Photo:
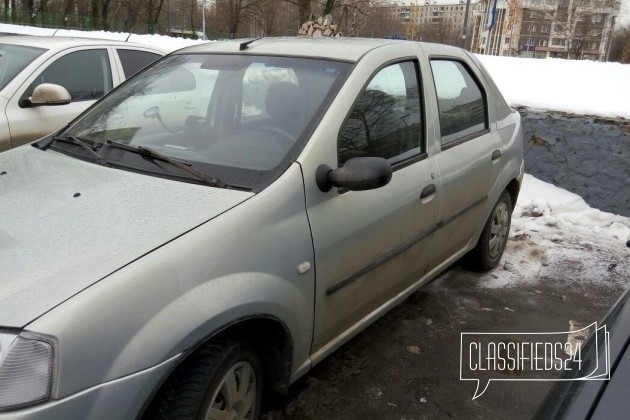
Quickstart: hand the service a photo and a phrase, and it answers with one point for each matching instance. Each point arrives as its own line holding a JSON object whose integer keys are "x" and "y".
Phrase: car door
{"x": 469, "y": 152}
{"x": 85, "y": 73}
{"x": 371, "y": 245}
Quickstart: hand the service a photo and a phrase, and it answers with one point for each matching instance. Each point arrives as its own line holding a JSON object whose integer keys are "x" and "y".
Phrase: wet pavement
{"x": 583, "y": 154}
{"x": 406, "y": 365}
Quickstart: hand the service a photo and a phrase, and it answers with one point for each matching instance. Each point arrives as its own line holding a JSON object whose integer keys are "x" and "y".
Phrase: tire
{"x": 489, "y": 249}
{"x": 211, "y": 384}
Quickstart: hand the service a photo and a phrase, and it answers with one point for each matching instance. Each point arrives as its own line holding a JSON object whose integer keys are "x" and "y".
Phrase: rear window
{"x": 133, "y": 61}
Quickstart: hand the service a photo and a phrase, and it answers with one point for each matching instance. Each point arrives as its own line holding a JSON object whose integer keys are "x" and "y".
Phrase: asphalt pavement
{"x": 406, "y": 365}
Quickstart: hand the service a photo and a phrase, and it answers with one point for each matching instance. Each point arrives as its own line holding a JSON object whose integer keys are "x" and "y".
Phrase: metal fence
{"x": 88, "y": 23}
{"x": 84, "y": 23}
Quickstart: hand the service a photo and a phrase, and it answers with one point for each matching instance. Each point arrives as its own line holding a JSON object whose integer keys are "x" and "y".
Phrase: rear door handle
{"x": 496, "y": 154}
{"x": 428, "y": 191}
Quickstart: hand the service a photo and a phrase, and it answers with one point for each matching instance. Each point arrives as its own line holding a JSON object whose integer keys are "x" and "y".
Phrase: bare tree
{"x": 153, "y": 10}
{"x": 231, "y": 14}
{"x": 68, "y": 11}
{"x": 620, "y": 45}
{"x": 272, "y": 17}
{"x": 513, "y": 18}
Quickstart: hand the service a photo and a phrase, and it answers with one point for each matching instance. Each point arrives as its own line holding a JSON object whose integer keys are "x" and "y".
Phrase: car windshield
{"x": 240, "y": 118}
{"x": 13, "y": 58}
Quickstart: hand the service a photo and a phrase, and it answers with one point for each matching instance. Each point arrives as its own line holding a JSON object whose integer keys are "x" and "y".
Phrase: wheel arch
{"x": 513, "y": 188}
{"x": 271, "y": 340}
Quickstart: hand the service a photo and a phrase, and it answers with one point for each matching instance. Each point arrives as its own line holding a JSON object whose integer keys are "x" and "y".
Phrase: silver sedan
{"x": 236, "y": 212}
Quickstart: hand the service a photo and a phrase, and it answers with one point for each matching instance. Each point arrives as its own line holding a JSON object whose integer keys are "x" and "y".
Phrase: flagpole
{"x": 487, "y": 49}
{"x": 490, "y": 21}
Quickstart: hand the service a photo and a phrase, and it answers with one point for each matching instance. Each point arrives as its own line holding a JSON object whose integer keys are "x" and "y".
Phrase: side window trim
{"x": 115, "y": 64}
{"x": 423, "y": 154}
{"x": 464, "y": 139}
{"x": 482, "y": 88}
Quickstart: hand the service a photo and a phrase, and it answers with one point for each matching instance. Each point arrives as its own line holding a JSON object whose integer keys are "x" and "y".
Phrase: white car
{"x": 86, "y": 68}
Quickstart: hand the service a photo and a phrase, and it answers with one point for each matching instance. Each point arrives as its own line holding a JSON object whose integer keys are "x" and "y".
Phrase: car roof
{"x": 61, "y": 42}
{"x": 341, "y": 49}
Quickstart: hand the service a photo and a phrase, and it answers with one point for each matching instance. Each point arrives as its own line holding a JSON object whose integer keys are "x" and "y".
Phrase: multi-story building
{"x": 575, "y": 29}
{"x": 433, "y": 21}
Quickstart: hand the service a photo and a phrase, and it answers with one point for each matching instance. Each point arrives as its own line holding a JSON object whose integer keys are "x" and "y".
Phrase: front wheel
{"x": 220, "y": 381}
{"x": 489, "y": 250}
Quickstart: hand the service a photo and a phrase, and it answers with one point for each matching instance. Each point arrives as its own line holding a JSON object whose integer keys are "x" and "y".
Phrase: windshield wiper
{"x": 77, "y": 141}
{"x": 152, "y": 154}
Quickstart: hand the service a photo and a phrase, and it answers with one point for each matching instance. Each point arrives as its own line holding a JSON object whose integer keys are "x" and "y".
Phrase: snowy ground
{"x": 548, "y": 223}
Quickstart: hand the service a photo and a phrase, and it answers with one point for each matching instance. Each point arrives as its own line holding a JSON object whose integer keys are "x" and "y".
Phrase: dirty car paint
{"x": 75, "y": 221}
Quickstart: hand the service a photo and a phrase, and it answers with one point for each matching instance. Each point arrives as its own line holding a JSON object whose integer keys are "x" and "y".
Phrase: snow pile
{"x": 552, "y": 205}
{"x": 556, "y": 236}
{"x": 578, "y": 87}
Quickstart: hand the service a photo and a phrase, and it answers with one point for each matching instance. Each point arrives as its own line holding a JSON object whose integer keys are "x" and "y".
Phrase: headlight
{"x": 26, "y": 369}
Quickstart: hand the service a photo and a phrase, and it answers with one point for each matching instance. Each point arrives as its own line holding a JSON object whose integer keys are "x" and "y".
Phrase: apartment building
{"x": 434, "y": 21}
{"x": 574, "y": 29}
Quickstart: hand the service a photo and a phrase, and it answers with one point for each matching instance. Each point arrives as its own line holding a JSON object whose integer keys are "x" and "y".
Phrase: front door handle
{"x": 496, "y": 154}
{"x": 428, "y": 191}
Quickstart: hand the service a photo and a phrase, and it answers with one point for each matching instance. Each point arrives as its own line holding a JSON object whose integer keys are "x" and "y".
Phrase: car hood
{"x": 65, "y": 224}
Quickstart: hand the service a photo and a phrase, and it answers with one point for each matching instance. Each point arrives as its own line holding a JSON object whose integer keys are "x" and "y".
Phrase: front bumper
{"x": 119, "y": 399}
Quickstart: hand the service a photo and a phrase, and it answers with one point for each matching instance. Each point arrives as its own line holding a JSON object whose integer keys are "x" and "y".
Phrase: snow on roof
{"x": 51, "y": 42}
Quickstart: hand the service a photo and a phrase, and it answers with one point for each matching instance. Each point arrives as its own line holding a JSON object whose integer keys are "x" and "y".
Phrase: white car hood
{"x": 65, "y": 224}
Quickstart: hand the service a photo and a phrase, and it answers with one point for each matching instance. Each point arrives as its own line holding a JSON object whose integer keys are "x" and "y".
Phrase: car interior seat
{"x": 283, "y": 104}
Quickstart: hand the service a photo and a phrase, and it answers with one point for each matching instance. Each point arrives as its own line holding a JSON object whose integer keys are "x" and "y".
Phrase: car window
{"x": 461, "y": 103}
{"x": 133, "y": 60}
{"x": 13, "y": 58}
{"x": 85, "y": 74}
{"x": 386, "y": 119}
{"x": 243, "y": 120}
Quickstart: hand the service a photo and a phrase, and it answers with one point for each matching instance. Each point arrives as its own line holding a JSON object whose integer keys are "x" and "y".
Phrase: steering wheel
{"x": 285, "y": 137}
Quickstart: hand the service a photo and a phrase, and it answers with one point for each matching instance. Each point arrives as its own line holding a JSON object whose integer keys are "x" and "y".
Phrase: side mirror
{"x": 49, "y": 94}
{"x": 357, "y": 174}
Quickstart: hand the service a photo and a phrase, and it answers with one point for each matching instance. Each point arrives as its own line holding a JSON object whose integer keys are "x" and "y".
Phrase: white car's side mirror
{"x": 49, "y": 94}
